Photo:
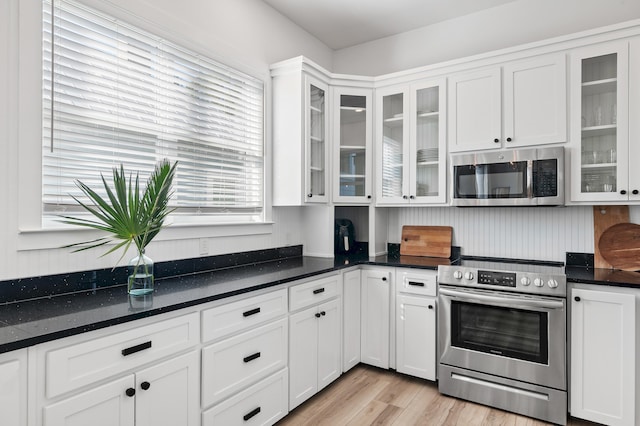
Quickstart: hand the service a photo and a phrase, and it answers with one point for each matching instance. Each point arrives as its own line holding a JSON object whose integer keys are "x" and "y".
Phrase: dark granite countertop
{"x": 29, "y": 322}
{"x": 40, "y": 319}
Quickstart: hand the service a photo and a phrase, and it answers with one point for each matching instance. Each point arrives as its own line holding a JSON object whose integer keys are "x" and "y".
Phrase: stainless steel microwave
{"x": 518, "y": 177}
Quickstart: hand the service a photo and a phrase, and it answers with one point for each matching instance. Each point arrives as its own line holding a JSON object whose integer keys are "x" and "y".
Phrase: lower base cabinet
{"x": 261, "y": 404}
{"x": 13, "y": 388}
{"x": 314, "y": 350}
{"x": 603, "y": 359}
{"x": 416, "y": 336}
{"x": 166, "y": 394}
{"x": 376, "y": 317}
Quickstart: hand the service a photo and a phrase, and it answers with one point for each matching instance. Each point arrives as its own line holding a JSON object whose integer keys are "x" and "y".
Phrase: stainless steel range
{"x": 502, "y": 336}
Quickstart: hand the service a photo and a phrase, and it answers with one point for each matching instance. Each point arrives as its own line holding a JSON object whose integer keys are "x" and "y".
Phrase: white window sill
{"x": 58, "y": 235}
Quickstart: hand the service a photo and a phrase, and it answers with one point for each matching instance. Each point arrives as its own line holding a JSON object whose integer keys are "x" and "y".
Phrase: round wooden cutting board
{"x": 620, "y": 246}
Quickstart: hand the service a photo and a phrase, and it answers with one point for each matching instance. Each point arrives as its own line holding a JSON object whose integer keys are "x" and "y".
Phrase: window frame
{"x": 39, "y": 231}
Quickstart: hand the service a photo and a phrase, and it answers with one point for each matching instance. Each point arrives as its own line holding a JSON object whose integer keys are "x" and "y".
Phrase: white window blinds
{"x": 116, "y": 94}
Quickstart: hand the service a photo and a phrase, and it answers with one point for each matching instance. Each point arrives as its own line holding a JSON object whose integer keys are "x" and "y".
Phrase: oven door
{"x": 521, "y": 337}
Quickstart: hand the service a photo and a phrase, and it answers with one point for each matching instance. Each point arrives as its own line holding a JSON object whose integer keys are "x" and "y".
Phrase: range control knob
{"x": 468, "y": 275}
{"x": 525, "y": 281}
{"x": 538, "y": 282}
{"x": 457, "y": 275}
{"x": 552, "y": 283}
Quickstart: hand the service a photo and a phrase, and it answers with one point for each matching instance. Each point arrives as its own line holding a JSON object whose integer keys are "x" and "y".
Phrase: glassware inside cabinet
{"x": 317, "y": 140}
{"x": 599, "y": 124}
{"x": 392, "y": 145}
{"x": 353, "y": 145}
{"x": 427, "y": 141}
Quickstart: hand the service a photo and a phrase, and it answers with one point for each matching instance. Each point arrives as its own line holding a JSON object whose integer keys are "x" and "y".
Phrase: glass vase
{"x": 140, "y": 270}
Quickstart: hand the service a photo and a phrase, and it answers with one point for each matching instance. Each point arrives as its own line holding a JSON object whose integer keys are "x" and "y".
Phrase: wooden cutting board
{"x": 603, "y": 218}
{"x": 432, "y": 241}
{"x": 620, "y": 246}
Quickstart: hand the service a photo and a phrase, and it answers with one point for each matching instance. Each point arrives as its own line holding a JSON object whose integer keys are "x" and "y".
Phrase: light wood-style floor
{"x": 370, "y": 396}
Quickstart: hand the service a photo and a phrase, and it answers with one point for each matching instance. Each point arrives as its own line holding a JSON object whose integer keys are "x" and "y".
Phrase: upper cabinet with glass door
{"x": 411, "y": 145}
{"x": 300, "y": 133}
{"x": 352, "y": 145}
{"x": 317, "y": 146}
{"x": 600, "y": 151}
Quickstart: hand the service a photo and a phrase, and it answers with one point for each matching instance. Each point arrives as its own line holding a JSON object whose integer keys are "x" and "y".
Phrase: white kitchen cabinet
{"x": 300, "y": 134}
{"x": 411, "y": 144}
{"x": 534, "y": 110}
{"x": 315, "y": 350}
{"x": 376, "y": 317}
{"x": 416, "y": 323}
{"x": 351, "y": 320}
{"x": 602, "y": 154}
{"x": 352, "y": 145}
{"x": 166, "y": 394}
{"x": 13, "y": 387}
{"x": 603, "y": 356}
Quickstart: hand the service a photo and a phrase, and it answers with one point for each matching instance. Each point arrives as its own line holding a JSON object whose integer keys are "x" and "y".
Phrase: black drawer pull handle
{"x": 318, "y": 290}
{"x": 323, "y": 313}
{"x": 577, "y": 298}
{"x": 251, "y": 357}
{"x": 130, "y": 392}
{"x": 251, "y": 414}
{"x": 136, "y": 348}
{"x": 145, "y": 385}
{"x": 318, "y": 315}
{"x": 416, "y": 283}
{"x": 251, "y": 312}
{"x": 430, "y": 306}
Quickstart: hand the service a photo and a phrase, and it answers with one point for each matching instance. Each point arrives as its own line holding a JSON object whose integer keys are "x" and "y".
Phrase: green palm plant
{"x": 126, "y": 213}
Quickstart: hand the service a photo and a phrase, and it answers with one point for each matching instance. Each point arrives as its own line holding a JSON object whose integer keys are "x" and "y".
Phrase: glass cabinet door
{"x": 428, "y": 173}
{"x": 353, "y": 144}
{"x": 602, "y": 173}
{"x": 393, "y": 148}
{"x": 316, "y": 152}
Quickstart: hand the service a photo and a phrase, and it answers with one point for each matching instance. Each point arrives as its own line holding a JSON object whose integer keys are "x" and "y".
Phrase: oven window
{"x": 499, "y": 180}
{"x": 513, "y": 333}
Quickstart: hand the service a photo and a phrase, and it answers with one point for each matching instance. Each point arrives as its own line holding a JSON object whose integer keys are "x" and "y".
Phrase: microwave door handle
{"x": 502, "y": 300}
{"x": 530, "y": 179}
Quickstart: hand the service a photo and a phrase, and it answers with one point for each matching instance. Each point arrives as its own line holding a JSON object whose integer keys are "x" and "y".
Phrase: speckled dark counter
{"x": 606, "y": 277}
{"x": 25, "y": 323}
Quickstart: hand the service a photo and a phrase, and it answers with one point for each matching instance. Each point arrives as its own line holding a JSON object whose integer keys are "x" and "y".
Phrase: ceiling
{"x": 344, "y": 23}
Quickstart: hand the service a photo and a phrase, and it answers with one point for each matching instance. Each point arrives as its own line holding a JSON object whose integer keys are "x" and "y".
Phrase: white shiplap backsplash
{"x": 541, "y": 233}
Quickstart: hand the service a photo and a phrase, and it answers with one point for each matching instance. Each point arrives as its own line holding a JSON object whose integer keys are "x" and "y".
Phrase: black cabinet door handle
{"x": 509, "y": 139}
{"x": 318, "y": 290}
{"x": 323, "y": 313}
{"x": 623, "y": 192}
{"x": 310, "y": 195}
{"x": 416, "y": 283}
{"x": 577, "y": 298}
{"x": 136, "y": 348}
{"x": 251, "y": 357}
{"x": 430, "y": 306}
{"x": 496, "y": 140}
{"x": 130, "y": 392}
{"x": 251, "y": 312}
{"x": 251, "y": 414}
{"x": 634, "y": 192}
{"x": 145, "y": 385}
{"x": 317, "y": 315}
{"x": 384, "y": 278}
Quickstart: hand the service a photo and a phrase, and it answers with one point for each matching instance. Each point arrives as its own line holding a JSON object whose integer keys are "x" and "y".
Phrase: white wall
{"x": 511, "y": 24}
{"x": 246, "y": 34}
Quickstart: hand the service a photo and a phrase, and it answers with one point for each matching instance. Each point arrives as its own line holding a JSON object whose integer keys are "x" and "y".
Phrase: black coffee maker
{"x": 344, "y": 237}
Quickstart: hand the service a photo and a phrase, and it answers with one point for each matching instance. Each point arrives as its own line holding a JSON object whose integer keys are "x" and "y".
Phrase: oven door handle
{"x": 502, "y": 300}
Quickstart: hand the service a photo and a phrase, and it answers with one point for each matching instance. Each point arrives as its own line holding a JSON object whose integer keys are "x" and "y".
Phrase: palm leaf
{"x": 125, "y": 213}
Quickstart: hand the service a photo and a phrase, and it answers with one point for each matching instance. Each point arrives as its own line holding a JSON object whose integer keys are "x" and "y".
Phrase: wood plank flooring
{"x": 371, "y": 396}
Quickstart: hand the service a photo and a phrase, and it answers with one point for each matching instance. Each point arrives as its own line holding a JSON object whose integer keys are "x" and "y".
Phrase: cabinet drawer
{"x": 307, "y": 294}
{"x": 235, "y": 363}
{"x": 262, "y": 403}
{"x": 237, "y": 316}
{"x": 423, "y": 283}
{"x": 81, "y": 364}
